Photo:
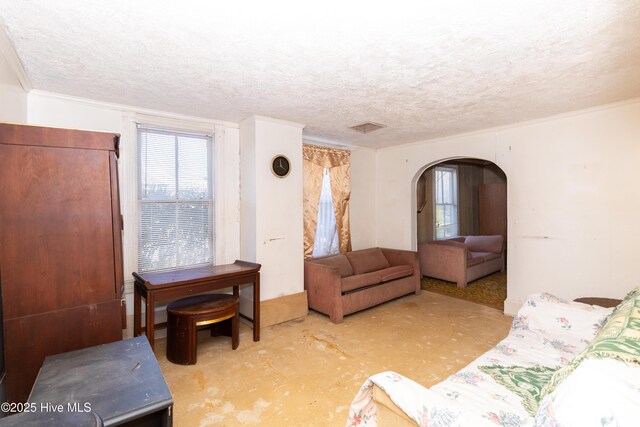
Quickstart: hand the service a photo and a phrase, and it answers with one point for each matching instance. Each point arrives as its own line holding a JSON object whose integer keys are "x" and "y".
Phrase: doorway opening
{"x": 461, "y": 226}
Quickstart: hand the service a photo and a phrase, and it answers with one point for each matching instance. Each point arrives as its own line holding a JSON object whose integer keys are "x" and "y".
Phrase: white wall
{"x": 13, "y": 97}
{"x": 47, "y": 109}
{"x": 362, "y": 205}
{"x": 271, "y": 225}
{"x": 59, "y": 111}
{"x": 573, "y": 199}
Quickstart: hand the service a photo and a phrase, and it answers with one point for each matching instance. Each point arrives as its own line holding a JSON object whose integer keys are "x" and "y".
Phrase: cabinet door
{"x": 57, "y": 239}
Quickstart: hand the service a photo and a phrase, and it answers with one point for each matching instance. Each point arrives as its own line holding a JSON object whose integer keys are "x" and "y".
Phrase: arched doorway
{"x": 463, "y": 197}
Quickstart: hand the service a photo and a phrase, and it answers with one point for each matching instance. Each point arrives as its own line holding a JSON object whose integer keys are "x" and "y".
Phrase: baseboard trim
{"x": 511, "y": 307}
{"x": 277, "y": 310}
{"x": 272, "y": 312}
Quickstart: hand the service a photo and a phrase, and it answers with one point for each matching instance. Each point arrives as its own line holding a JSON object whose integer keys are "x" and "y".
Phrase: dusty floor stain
{"x": 306, "y": 373}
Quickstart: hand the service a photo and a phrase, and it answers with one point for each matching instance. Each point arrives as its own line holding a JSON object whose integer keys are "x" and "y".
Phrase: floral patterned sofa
{"x": 562, "y": 364}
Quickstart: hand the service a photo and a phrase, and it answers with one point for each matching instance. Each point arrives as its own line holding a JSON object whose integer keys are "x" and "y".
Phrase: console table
{"x": 172, "y": 285}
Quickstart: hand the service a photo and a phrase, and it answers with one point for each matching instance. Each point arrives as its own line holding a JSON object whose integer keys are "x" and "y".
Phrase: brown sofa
{"x": 462, "y": 259}
{"x": 342, "y": 284}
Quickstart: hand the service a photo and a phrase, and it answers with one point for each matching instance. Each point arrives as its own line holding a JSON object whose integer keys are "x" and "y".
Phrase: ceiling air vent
{"x": 367, "y": 127}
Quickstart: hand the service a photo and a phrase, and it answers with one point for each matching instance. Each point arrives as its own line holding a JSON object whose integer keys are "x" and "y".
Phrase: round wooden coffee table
{"x": 185, "y": 315}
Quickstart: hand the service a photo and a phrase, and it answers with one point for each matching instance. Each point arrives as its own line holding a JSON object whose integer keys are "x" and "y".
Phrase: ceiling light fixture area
{"x": 367, "y": 127}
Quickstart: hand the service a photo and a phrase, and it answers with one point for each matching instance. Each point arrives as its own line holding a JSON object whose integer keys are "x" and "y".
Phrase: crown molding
{"x": 10, "y": 54}
{"x": 329, "y": 143}
{"x": 496, "y": 129}
{"x": 146, "y": 115}
{"x": 258, "y": 118}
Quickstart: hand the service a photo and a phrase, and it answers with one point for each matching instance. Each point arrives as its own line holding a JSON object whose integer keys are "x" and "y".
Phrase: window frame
{"x": 211, "y": 200}
{"x": 454, "y": 205}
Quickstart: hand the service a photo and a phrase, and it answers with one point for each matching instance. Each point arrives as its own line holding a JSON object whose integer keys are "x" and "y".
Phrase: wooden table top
{"x": 158, "y": 280}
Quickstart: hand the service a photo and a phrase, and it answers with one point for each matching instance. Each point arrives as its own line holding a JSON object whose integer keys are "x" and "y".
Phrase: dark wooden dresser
{"x": 61, "y": 273}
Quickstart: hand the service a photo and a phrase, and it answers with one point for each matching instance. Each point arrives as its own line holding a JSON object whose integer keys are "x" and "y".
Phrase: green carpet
{"x": 490, "y": 290}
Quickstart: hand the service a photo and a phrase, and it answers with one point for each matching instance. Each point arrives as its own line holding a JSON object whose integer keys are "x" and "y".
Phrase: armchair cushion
{"x": 485, "y": 243}
{"x": 367, "y": 260}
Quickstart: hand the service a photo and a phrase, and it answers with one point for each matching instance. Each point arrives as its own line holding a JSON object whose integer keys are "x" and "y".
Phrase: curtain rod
{"x": 334, "y": 147}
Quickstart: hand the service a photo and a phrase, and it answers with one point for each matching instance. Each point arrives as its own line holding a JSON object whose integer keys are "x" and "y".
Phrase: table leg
{"x": 137, "y": 313}
{"x": 150, "y": 314}
{"x": 256, "y": 308}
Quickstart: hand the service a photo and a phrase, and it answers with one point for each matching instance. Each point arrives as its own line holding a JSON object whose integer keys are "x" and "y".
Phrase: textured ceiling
{"x": 423, "y": 69}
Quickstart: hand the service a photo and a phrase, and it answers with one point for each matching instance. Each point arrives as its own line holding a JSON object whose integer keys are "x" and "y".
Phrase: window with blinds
{"x": 175, "y": 200}
{"x": 446, "y": 202}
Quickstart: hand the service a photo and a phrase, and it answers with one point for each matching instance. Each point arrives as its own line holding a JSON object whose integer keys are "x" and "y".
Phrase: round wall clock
{"x": 280, "y": 166}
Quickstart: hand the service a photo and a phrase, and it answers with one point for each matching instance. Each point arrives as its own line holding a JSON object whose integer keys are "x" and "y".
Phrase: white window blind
{"x": 446, "y": 202}
{"x": 175, "y": 200}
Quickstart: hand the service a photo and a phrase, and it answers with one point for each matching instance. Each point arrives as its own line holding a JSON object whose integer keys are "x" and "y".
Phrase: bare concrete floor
{"x": 306, "y": 372}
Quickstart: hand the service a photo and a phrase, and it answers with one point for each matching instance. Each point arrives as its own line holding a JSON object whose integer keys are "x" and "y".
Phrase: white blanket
{"x": 546, "y": 332}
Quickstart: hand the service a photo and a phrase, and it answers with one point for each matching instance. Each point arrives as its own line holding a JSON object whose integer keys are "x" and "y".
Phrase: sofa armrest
{"x": 323, "y": 284}
{"x": 446, "y": 262}
{"x": 406, "y": 402}
{"x": 389, "y": 414}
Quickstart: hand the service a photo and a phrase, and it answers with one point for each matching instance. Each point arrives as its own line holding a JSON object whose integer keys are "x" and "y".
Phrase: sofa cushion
{"x": 358, "y": 281}
{"x": 339, "y": 261}
{"x": 474, "y": 261}
{"x": 395, "y": 272}
{"x": 485, "y": 243}
{"x": 367, "y": 260}
{"x": 484, "y": 256}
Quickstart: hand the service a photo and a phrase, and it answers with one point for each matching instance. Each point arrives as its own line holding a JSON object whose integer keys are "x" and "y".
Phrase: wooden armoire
{"x": 61, "y": 274}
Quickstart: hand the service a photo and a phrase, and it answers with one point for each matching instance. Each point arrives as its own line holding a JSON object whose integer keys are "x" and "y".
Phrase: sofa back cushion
{"x": 485, "y": 243}
{"x": 367, "y": 260}
{"x": 339, "y": 261}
